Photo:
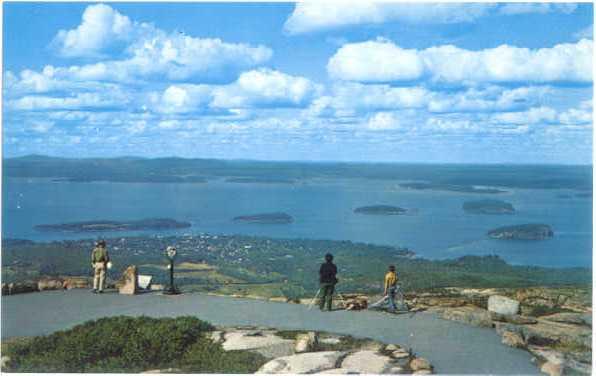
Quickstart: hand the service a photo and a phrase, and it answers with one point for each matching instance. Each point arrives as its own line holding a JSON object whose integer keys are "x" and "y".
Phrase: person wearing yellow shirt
{"x": 391, "y": 287}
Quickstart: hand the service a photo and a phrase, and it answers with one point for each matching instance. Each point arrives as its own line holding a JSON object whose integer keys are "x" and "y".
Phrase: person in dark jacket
{"x": 327, "y": 279}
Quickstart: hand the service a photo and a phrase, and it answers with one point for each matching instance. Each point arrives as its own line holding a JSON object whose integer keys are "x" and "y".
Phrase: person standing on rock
{"x": 99, "y": 261}
{"x": 327, "y": 279}
{"x": 391, "y": 287}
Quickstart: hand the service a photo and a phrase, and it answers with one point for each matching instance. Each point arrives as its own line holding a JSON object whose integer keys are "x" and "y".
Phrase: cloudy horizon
{"x": 369, "y": 82}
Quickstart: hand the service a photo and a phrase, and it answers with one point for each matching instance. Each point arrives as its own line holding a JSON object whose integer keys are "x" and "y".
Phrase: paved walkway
{"x": 450, "y": 346}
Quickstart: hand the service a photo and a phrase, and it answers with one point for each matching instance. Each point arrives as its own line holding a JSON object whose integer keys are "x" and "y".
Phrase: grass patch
{"x": 288, "y": 334}
{"x": 127, "y": 344}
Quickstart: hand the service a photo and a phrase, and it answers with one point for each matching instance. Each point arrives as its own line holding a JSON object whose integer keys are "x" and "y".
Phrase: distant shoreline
{"x": 458, "y": 177}
{"x": 308, "y": 161}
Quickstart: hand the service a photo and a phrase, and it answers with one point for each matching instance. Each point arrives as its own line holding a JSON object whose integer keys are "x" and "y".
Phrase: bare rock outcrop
{"x": 128, "y": 284}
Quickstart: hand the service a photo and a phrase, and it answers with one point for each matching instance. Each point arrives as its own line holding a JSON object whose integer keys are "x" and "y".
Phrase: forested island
{"x": 450, "y": 188}
{"x": 380, "y": 210}
{"x": 488, "y": 207}
{"x": 266, "y": 218}
{"x": 109, "y": 225}
{"x": 531, "y": 231}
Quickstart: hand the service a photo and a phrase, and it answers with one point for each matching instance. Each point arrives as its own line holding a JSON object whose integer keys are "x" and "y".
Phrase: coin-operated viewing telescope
{"x": 171, "y": 254}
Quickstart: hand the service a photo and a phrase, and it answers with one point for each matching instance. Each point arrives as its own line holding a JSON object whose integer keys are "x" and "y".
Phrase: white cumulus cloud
{"x": 382, "y": 61}
{"x": 311, "y": 16}
{"x": 349, "y": 99}
{"x": 266, "y": 87}
{"x": 261, "y": 88}
{"x": 382, "y": 121}
{"x": 314, "y": 16}
{"x": 489, "y": 99}
{"x": 74, "y": 102}
{"x": 578, "y": 116}
{"x": 149, "y": 51}
{"x": 537, "y": 115}
{"x": 101, "y": 26}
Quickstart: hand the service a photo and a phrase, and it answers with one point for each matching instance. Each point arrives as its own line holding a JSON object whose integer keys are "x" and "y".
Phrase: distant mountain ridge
{"x": 182, "y": 170}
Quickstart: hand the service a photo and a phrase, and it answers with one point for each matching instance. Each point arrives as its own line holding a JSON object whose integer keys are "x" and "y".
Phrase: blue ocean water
{"x": 322, "y": 209}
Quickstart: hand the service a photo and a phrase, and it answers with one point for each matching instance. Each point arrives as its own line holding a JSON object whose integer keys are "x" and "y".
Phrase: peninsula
{"x": 380, "y": 210}
{"x": 531, "y": 231}
{"x": 488, "y": 207}
{"x": 266, "y": 218}
{"x": 108, "y": 225}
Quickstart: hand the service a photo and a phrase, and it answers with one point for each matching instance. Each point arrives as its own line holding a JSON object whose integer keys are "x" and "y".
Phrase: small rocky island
{"x": 108, "y": 225}
{"x": 380, "y": 210}
{"x": 531, "y": 231}
{"x": 488, "y": 207}
{"x": 266, "y": 218}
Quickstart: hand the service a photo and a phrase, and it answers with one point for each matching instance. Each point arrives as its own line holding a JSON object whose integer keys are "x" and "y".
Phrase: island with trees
{"x": 266, "y": 218}
{"x": 110, "y": 225}
{"x": 530, "y": 231}
{"x": 380, "y": 210}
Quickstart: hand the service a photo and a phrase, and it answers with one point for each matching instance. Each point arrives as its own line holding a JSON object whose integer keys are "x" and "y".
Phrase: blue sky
{"x": 350, "y": 81}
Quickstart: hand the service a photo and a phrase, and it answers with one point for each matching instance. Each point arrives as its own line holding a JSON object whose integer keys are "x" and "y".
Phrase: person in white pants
{"x": 99, "y": 261}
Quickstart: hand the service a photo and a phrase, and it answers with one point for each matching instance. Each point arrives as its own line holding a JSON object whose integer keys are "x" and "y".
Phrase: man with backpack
{"x": 99, "y": 261}
{"x": 327, "y": 279}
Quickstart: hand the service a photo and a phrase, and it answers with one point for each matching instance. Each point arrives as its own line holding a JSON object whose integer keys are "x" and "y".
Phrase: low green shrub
{"x": 207, "y": 357}
{"x": 127, "y": 344}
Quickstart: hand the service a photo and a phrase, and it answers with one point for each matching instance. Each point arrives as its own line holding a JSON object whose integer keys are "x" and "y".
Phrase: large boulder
{"x": 418, "y": 364}
{"x": 503, "y": 305}
{"x": 128, "y": 284}
{"x": 306, "y": 342}
{"x": 469, "y": 315}
{"x": 252, "y": 339}
{"x": 368, "y": 362}
{"x": 312, "y": 362}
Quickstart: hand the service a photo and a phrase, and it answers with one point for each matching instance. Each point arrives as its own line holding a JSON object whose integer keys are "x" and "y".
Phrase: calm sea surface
{"x": 322, "y": 209}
